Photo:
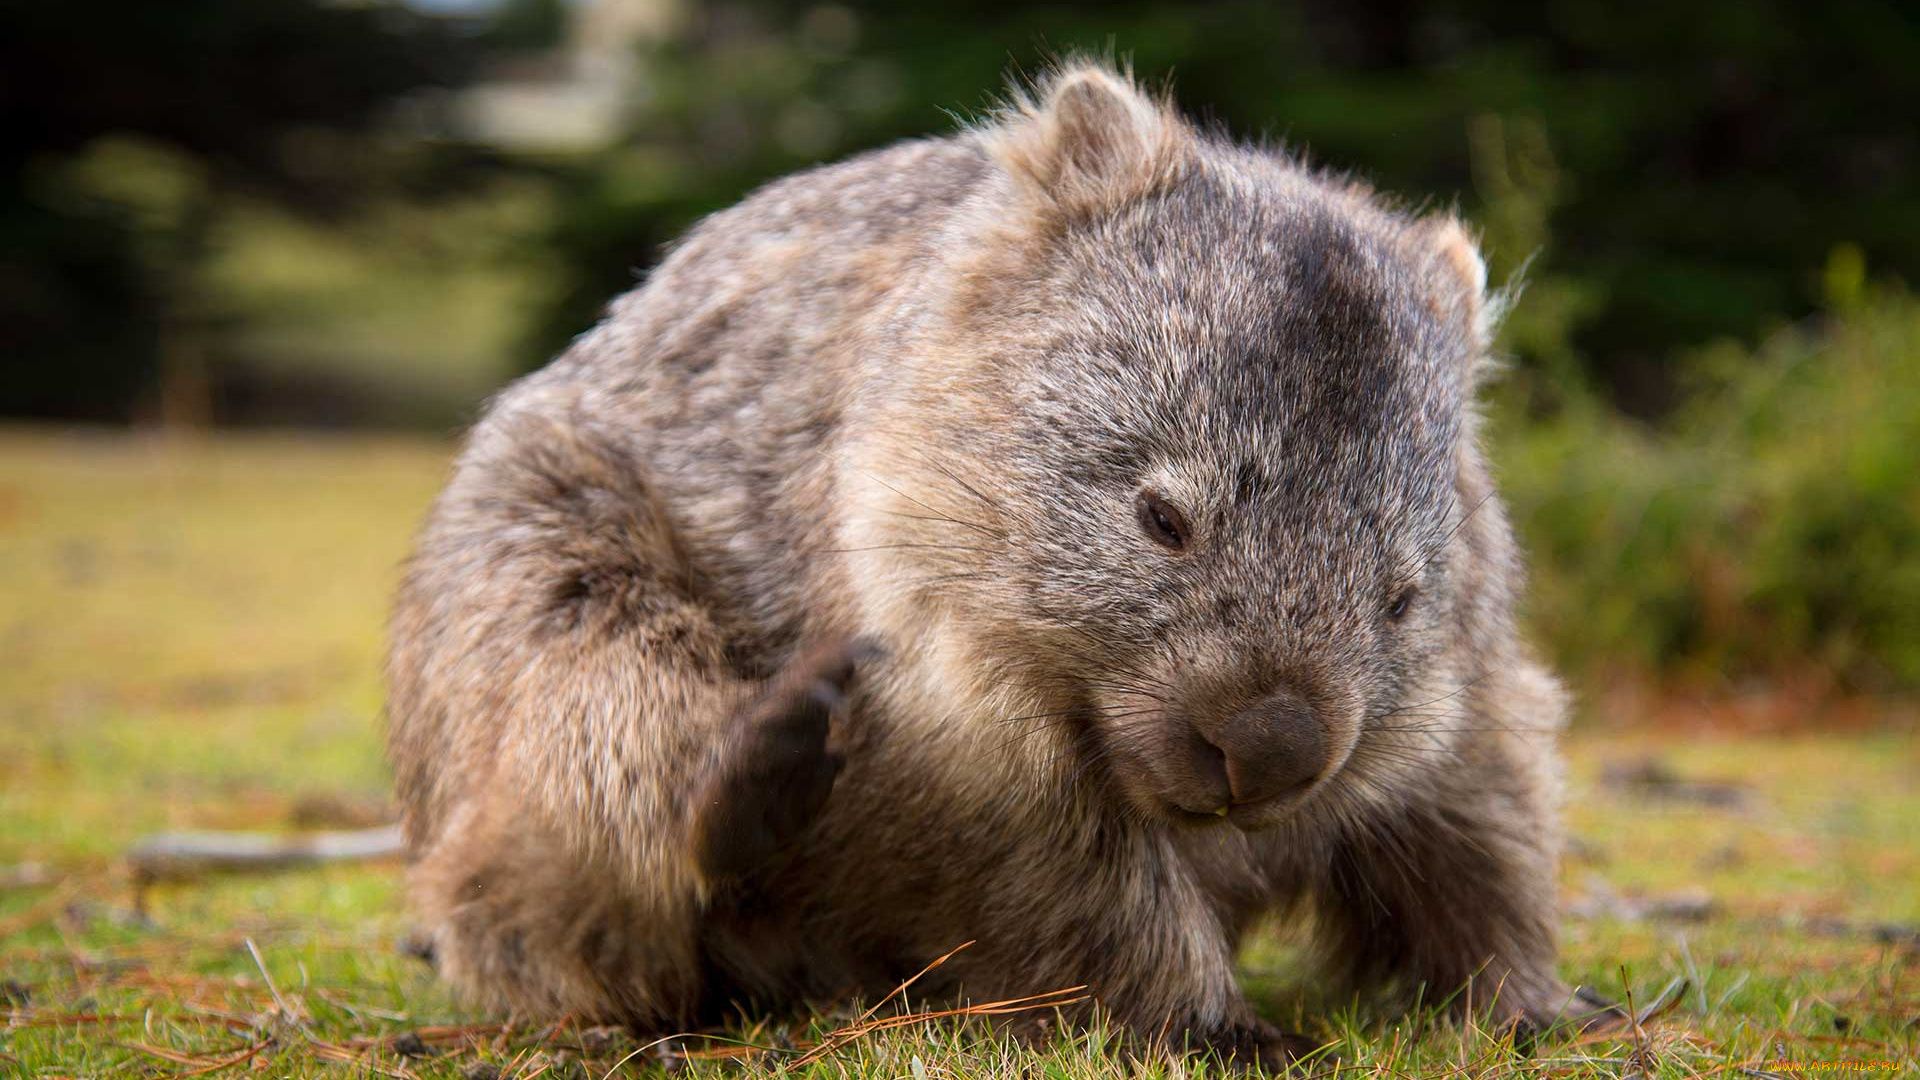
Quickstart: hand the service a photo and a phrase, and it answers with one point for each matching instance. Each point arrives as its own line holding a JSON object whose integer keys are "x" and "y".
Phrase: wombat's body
{"x": 1148, "y": 462}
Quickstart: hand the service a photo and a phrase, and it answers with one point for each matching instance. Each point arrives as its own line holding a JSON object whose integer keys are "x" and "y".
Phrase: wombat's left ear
{"x": 1459, "y": 281}
{"x": 1090, "y": 141}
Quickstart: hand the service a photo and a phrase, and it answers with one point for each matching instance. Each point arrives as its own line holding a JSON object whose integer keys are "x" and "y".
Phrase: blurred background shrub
{"x": 1769, "y": 527}
{"x": 369, "y": 213}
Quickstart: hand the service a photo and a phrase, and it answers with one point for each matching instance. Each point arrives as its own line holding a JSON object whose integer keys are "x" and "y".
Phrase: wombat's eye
{"x": 1397, "y": 606}
{"x": 1162, "y": 521}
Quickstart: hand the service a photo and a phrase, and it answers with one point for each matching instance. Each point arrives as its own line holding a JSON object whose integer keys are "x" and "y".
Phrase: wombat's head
{"x": 1187, "y": 457}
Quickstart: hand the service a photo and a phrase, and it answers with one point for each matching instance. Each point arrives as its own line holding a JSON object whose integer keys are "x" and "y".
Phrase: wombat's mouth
{"x": 1183, "y": 816}
{"x": 1246, "y": 816}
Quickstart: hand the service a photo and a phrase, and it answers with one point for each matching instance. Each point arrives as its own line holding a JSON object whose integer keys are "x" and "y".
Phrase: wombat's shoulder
{"x": 761, "y": 290}
{"x": 872, "y": 196}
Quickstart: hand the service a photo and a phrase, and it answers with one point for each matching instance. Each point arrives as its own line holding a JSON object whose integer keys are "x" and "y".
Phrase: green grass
{"x": 192, "y": 632}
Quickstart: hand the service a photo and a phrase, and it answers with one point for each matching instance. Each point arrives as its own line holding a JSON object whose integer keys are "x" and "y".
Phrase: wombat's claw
{"x": 1589, "y": 1011}
{"x": 1267, "y": 1050}
{"x": 1288, "y": 1054}
{"x": 1576, "y": 1012}
{"x": 776, "y": 769}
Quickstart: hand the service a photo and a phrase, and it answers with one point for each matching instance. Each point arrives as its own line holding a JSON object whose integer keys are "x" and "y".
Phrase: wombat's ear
{"x": 1459, "y": 282}
{"x": 1089, "y": 141}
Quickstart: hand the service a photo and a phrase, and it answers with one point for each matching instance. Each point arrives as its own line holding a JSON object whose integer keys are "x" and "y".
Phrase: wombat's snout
{"x": 1254, "y": 765}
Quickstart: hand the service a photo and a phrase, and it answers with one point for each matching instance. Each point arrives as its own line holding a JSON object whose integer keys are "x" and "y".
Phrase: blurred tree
{"x": 269, "y": 98}
{"x": 78, "y": 318}
{"x": 527, "y": 24}
{"x": 1702, "y": 159}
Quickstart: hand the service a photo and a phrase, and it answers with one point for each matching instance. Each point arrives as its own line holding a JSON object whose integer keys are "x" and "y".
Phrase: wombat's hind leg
{"x": 776, "y": 769}
{"x": 558, "y": 684}
{"x": 582, "y": 758}
{"x": 518, "y": 924}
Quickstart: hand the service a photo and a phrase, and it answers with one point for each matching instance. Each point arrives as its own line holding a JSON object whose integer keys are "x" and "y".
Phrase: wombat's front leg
{"x": 1158, "y": 960}
{"x": 1234, "y": 1036}
{"x": 1455, "y": 891}
{"x": 772, "y": 769}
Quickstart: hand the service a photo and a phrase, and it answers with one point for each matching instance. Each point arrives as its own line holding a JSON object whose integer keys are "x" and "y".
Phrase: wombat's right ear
{"x": 1459, "y": 280}
{"x": 1091, "y": 141}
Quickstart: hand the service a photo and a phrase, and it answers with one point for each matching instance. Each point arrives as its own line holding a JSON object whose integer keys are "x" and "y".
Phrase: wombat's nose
{"x": 1274, "y": 747}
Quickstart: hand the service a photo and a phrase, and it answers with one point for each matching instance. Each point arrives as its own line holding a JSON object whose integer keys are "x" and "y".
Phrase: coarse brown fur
{"x": 933, "y": 399}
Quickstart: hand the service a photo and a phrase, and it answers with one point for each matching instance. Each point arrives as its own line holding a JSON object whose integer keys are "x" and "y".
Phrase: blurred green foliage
{"x": 194, "y": 107}
{"x": 527, "y": 24}
{"x": 1770, "y": 526}
{"x": 1676, "y": 173}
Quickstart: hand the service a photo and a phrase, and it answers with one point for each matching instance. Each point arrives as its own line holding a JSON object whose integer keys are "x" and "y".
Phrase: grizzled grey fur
{"x": 1070, "y": 536}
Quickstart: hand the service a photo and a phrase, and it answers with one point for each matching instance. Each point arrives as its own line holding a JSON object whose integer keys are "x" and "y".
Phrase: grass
{"x": 192, "y": 632}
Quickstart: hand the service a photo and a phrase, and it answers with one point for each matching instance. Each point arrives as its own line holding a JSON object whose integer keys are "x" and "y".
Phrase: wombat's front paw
{"x": 1262, "y": 1048}
{"x": 776, "y": 769}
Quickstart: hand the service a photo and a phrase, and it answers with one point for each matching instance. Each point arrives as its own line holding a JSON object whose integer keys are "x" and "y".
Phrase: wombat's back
{"x": 729, "y": 370}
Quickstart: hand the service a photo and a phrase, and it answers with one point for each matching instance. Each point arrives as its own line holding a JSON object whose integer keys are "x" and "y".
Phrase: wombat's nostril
{"x": 1273, "y": 748}
{"x": 1204, "y": 787}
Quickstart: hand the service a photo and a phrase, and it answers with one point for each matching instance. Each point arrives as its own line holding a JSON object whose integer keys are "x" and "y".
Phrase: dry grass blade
{"x": 1051, "y": 999}
{"x": 438, "y": 1033}
{"x": 178, "y": 1057}
{"x": 847, "y": 1034}
{"x": 725, "y": 1053}
{"x": 902, "y": 988}
{"x": 16, "y": 1020}
{"x": 910, "y": 1019}
{"x": 210, "y": 1014}
{"x": 285, "y": 1011}
{"x": 363, "y": 1059}
{"x": 361, "y": 1009}
{"x": 661, "y": 1041}
{"x": 827, "y": 1045}
{"x": 201, "y": 1064}
{"x": 864, "y": 1026}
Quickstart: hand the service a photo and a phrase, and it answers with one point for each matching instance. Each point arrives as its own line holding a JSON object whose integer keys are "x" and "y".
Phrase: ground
{"x": 192, "y": 631}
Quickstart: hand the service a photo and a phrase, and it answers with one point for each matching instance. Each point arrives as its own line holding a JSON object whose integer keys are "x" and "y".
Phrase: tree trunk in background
{"x": 185, "y": 393}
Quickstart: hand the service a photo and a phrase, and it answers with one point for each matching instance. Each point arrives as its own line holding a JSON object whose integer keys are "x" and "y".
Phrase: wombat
{"x": 1069, "y": 536}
